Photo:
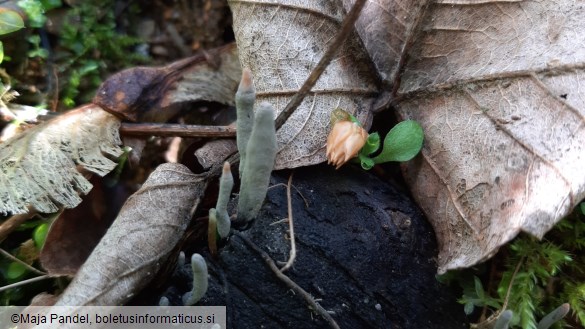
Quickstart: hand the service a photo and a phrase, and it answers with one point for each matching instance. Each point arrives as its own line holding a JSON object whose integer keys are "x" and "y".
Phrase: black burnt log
{"x": 364, "y": 251}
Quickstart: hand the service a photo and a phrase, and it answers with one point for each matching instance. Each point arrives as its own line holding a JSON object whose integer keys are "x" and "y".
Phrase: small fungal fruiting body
{"x": 259, "y": 162}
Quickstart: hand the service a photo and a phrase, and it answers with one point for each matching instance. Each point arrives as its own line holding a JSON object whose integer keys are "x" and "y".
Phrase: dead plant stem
{"x": 291, "y": 227}
{"x": 289, "y": 283}
{"x": 334, "y": 46}
{"x": 24, "y": 282}
{"x": 175, "y": 130}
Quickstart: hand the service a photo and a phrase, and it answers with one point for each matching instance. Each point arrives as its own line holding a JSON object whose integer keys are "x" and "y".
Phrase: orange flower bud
{"x": 344, "y": 142}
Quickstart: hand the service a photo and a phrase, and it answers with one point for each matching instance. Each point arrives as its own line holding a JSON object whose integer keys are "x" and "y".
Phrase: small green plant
{"x": 531, "y": 278}
{"x": 10, "y": 21}
{"x": 402, "y": 143}
{"x": 90, "y": 46}
{"x": 87, "y": 47}
{"x": 475, "y": 296}
{"x": 35, "y": 10}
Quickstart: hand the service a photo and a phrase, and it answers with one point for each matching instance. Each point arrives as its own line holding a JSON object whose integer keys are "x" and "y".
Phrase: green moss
{"x": 550, "y": 272}
{"x": 90, "y": 48}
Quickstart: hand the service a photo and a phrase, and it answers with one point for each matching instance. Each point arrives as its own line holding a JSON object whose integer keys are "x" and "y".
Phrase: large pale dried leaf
{"x": 496, "y": 87}
{"x": 495, "y": 84}
{"x": 40, "y": 166}
{"x": 386, "y": 28}
{"x": 139, "y": 241}
{"x": 281, "y": 43}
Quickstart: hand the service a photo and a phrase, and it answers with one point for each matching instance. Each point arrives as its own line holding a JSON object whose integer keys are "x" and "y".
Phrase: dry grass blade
{"x": 291, "y": 228}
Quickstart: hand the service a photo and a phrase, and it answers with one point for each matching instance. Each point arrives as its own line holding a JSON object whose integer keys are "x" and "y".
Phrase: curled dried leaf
{"x": 139, "y": 241}
{"x": 40, "y": 167}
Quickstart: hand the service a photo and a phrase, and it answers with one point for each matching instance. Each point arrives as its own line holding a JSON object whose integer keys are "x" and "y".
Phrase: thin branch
{"x": 13, "y": 223}
{"x": 296, "y": 189}
{"x": 14, "y": 259}
{"x": 342, "y": 34}
{"x": 507, "y": 298}
{"x": 346, "y": 27}
{"x": 494, "y": 317}
{"x": 25, "y": 282}
{"x": 175, "y": 130}
{"x": 291, "y": 228}
{"x": 290, "y": 283}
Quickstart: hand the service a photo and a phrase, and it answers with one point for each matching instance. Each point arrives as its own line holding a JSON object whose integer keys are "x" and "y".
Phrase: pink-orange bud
{"x": 344, "y": 142}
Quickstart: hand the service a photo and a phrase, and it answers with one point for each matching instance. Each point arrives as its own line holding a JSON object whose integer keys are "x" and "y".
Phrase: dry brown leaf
{"x": 293, "y": 39}
{"x": 40, "y": 166}
{"x": 75, "y": 232}
{"x": 496, "y": 89}
{"x": 386, "y": 28}
{"x": 495, "y": 85}
{"x": 137, "y": 244}
{"x": 153, "y": 94}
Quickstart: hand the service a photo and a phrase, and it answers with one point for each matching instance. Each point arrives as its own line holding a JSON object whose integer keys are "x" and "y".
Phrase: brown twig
{"x": 12, "y": 223}
{"x": 346, "y": 27}
{"x": 290, "y": 283}
{"x": 506, "y": 299}
{"x": 342, "y": 34}
{"x": 296, "y": 189}
{"x": 175, "y": 130}
{"x": 494, "y": 317}
{"x": 291, "y": 227}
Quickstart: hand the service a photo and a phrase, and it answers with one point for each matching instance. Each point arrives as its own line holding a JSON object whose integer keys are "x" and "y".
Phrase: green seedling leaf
{"x": 10, "y": 21}
{"x": 40, "y": 235}
{"x": 372, "y": 144}
{"x": 582, "y": 207}
{"x": 15, "y": 271}
{"x": 402, "y": 143}
{"x": 1, "y": 52}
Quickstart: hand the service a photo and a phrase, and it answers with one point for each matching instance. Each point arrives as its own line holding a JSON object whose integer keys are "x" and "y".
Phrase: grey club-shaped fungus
{"x": 245, "y": 98}
{"x": 258, "y": 163}
{"x": 226, "y": 183}
{"x": 200, "y": 281}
